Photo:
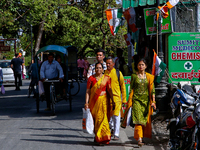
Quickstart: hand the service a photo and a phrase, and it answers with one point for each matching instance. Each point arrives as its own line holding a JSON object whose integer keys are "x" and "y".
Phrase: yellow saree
{"x": 99, "y": 106}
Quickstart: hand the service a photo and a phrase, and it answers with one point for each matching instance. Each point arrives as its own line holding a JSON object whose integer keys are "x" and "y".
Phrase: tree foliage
{"x": 80, "y": 23}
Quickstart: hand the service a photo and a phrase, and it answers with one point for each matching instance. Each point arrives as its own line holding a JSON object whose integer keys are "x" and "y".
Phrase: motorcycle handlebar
{"x": 189, "y": 93}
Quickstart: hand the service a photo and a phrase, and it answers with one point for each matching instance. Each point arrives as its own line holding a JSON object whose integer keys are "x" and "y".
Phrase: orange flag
{"x": 129, "y": 15}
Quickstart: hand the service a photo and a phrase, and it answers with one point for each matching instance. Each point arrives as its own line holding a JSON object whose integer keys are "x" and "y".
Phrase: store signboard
{"x": 4, "y": 48}
{"x": 127, "y": 81}
{"x": 184, "y": 57}
{"x": 151, "y": 23}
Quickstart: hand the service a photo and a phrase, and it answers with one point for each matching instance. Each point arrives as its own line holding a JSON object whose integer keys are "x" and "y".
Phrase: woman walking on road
{"x": 98, "y": 100}
{"x": 141, "y": 99}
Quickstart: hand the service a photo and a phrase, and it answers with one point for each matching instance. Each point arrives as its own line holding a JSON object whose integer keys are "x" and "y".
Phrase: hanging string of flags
{"x": 164, "y": 9}
{"x": 127, "y": 38}
{"x": 114, "y": 17}
{"x": 129, "y": 15}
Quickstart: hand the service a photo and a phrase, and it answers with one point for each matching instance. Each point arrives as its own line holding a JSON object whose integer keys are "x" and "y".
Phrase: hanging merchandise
{"x": 114, "y": 17}
{"x": 128, "y": 39}
{"x": 130, "y": 14}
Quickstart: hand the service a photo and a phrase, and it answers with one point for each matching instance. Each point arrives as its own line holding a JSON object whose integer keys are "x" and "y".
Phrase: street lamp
{"x": 20, "y": 32}
{"x": 31, "y": 45}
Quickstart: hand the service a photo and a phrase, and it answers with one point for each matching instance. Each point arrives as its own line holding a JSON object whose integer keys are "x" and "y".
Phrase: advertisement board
{"x": 127, "y": 81}
{"x": 151, "y": 23}
{"x": 184, "y": 57}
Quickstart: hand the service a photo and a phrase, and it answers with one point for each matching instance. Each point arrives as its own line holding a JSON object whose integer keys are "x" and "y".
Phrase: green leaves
{"x": 77, "y": 24}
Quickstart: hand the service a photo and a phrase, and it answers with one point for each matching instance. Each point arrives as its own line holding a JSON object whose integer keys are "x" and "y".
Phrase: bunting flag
{"x": 172, "y": 3}
{"x": 128, "y": 39}
{"x": 129, "y": 15}
{"x": 158, "y": 68}
{"x": 114, "y": 17}
{"x": 164, "y": 11}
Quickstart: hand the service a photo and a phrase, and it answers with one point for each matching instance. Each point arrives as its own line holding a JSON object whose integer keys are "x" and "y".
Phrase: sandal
{"x": 140, "y": 143}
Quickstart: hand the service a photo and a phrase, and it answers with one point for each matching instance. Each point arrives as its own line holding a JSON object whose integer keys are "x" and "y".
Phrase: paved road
{"x": 22, "y": 128}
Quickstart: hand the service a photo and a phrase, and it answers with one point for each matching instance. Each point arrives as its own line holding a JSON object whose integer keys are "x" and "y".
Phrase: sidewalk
{"x": 159, "y": 139}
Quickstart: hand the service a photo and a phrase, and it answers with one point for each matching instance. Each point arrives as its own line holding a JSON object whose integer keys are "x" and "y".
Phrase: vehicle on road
{"x": 184, "y": 126}
{"x": 71, "y": 85}
{"x": 8, "y": 74}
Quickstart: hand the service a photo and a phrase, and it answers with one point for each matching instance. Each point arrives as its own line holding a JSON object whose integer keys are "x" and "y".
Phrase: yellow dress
{"x": 116, "y": 90}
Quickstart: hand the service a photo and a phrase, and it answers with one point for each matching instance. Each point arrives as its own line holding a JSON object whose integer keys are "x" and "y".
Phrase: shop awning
{"x": 135, "y": 3}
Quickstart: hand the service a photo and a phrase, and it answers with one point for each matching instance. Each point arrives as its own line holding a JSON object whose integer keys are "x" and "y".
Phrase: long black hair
{"x": 137, "y": 62}
{"x": 97, "y": 64}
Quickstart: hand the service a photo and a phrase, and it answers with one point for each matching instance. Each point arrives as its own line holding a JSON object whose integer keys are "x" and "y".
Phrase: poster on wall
{"x": 151, "y": 23}
{"x": 184, "y": 57}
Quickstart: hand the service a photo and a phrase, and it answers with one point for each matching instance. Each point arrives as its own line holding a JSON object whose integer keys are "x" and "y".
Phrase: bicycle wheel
{"x": 74, "y": 87}
{"x": 37, "y": 103}
{"x": 29, "y": 91}
{"x": 52, "y": 99}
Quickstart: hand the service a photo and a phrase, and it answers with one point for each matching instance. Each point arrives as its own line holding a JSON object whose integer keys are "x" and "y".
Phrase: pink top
{"x": 81, "y": 63}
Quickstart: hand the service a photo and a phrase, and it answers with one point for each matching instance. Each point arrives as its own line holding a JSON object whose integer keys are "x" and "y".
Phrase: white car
{"x": 8, "y": 75}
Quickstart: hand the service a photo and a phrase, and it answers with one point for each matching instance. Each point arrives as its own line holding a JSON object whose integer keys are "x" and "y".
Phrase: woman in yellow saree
{"x": 142, "y": 101}
{"x": 97, "y": 97}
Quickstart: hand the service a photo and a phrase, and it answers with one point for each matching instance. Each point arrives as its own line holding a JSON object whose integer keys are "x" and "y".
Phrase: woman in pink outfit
{"x": 86, "y": 67}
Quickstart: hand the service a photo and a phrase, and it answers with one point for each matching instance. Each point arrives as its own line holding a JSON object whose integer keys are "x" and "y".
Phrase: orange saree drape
{"x": 99, "y": 106}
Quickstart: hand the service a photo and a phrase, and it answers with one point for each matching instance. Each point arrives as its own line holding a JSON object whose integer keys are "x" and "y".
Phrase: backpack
{"x": 118, "y": 76}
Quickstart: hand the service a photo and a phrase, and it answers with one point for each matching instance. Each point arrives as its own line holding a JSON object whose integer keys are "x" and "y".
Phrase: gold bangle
{"x": 86, "y": 104}
{"x": 154, "y": 102}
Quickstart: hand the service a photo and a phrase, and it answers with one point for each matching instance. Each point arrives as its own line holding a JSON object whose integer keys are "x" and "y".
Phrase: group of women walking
{"x": 99, "y": 99}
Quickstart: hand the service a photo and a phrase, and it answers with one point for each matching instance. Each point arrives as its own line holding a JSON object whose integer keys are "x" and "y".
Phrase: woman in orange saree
{"x": 98, "y": 89}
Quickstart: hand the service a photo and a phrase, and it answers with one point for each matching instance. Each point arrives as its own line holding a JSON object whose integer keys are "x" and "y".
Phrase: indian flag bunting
{"x": 172, "y": 3}
{"x": 158, "y": 68}
{"x": 164, "y": 11}
{"x": 114, "y": 17}
{"x": 129, "y": 15}
{"x": 127, "y": 38}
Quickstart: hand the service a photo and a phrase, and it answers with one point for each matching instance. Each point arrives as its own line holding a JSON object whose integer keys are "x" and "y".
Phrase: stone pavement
{"x": 159, "y": 139}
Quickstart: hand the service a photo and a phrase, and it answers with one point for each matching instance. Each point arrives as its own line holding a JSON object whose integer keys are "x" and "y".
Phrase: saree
{"x": 145, "y": 129}
{"x": 99, "y": 106}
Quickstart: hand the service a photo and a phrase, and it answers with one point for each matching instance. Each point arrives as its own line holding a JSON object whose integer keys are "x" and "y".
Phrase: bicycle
{"x": 53, "y": 98}
{"x": 74, "y": 86}
{"x": 29, "y": 91}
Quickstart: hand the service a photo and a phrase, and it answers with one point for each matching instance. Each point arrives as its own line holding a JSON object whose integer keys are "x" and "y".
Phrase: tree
{"x": 64, "y": 22}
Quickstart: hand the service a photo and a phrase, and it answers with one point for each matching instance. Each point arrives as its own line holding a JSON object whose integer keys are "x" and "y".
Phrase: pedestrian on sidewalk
{"x": 118, "y": 88}
{"x": 98, "y": 89}
{"x": 142, "y": 101}
{"x": 81, "y": 66}
{"x": 86, "y": 67}
{"x": 100, "y": 55}
{"x": 34, "y": 73}
{"x": 1, "y": 77}
{"x": 17, "y": 66}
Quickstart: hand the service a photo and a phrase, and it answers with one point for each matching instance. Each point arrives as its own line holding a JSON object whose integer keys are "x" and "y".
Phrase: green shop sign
{"x": 127, "y": 81}
{"x": 151, "y": 23}
{"x": 183, "y": 57}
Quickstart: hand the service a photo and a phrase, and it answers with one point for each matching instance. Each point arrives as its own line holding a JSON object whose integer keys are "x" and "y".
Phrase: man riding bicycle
{"x": 51, "y": 70}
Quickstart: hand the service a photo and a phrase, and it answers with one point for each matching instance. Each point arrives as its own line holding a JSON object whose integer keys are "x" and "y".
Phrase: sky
{"x": 119, "y": 2}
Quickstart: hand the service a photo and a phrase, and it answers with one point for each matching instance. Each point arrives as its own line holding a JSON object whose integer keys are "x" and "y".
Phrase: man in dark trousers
{"x": 16, "y": 65}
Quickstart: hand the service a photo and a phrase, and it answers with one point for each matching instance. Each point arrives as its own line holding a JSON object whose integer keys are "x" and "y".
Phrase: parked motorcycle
{"x": 184, "y": 127}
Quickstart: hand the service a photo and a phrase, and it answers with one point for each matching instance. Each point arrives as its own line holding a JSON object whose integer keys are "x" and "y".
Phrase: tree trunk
{"x": 39, "y": 36}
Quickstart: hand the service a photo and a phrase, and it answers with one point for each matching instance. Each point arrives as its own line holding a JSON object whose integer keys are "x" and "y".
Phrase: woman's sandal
{"x": 140, "y": 143}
